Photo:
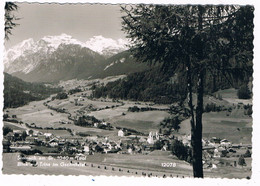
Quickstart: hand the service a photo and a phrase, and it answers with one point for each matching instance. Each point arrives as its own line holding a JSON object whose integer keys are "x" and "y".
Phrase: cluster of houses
{"x": 216, "y": 148}
{"x": 20, "y": 141}
{"x": 124, "y": 144}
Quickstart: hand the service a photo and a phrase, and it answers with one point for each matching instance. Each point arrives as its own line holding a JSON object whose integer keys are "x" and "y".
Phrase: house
{"x": 31, "y": 140}
{"x": 130, "y": 150}
{"x": 153, "y": 137}
{"x": 165, "y": 148}
{"x": 54, "y": 142}
{"x": 204, "y": 142}
{"x": 32, "y": 125}
{"x": 97, "y": 148}
{"x": 18, "y": 132}
{"x": 95, "y": 124}
{"x": 86, "y": 149}
{"x": 62, "y": 142}
{"x": 48, "y": 135}
{"x": 121, "y": 133}
{"x": 225, "y": 143}
{"x": 216, "y": 154}
{"x": 142, "y": 140}
{"x": 215, "y": 140}
{"x": 31, "y": 132}
{"x": 214, "y": 166}
{"x": 219, "y": 152}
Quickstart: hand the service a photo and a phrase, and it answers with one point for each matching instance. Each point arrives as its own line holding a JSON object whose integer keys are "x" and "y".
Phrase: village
{"x": 82, "y": 127}
{"x": 217, "y": 152}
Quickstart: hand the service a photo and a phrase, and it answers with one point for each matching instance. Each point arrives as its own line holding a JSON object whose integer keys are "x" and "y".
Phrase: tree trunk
{"x": 195, "y": 133}
{"x": 197, "y": 138}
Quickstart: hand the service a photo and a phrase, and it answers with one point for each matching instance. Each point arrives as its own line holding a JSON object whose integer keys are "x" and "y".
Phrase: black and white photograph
{"x": 134, "y": 90}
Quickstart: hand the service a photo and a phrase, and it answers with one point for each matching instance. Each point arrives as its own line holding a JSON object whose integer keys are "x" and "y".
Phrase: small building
{"x": 130, "y": 150}
{"x": 153, "y": 137}
{"x": 18, "y": 132}
{"x": 225, "y": 143}
{"x": 31, "y": 139}
{"x": 121, "y": 133}
{"x": 95, "y": 124}
{"x": 54, "y": 142}
{"x": 86, "y": 149}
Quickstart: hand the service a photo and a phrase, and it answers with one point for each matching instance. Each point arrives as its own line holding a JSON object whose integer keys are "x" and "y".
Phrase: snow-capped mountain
{"x": 48, "y": 44}
{"x": 106, "y": 46}
{"x": 29, "y": 55}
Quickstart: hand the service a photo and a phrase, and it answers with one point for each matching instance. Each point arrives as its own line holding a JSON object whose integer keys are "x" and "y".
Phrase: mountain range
{"x": 55, "y": 58}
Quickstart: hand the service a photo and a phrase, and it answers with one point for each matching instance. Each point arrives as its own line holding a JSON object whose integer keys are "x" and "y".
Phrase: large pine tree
{"x": 199, "y": 39}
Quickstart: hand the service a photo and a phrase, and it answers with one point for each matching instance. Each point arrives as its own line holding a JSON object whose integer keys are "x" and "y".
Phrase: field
{"x": 130, "y": 168}
{"x": 234, "y": 126}
{"x": 109, "y": 164}
{"x": 230, "y": 95}
{"x": 13, "y": 126}
{"x": 218, "y": 124}
{"x": 37, "y": 113}
{"x": 141, "y": 121}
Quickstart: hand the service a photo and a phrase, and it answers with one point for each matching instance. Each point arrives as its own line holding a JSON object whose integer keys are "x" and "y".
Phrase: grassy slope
{"x": 234, "y": 126}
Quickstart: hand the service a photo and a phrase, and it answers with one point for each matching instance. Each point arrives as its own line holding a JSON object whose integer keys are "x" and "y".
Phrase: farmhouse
{"x": 86, "y": 149}
{"x": 48, "y": 135}
{"x": 54, "y": 142}
{"x": 121, "y": 133}
{"x": 31, "y": 140}
{"x": 17, "y": 132}
{"x": 225, "y": 143}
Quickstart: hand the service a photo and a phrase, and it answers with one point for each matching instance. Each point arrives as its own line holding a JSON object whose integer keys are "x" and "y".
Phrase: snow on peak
{"x": 29, "y": 54}
{"x": 18, "y": 50}
{"x": 100, "y": 44}
{"x": 48, "y": 44}
{"x": 55, "y": 41}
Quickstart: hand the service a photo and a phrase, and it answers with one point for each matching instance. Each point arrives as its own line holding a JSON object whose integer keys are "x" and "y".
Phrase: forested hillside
{"x": 18, "y": 92}
{"x": 161, "y": 87}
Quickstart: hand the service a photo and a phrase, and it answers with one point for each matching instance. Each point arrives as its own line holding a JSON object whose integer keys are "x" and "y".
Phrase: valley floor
{"x": 234, "y": 126}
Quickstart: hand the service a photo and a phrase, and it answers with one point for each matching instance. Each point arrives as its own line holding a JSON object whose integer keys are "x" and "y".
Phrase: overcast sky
{"x": 81, "y": 21}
